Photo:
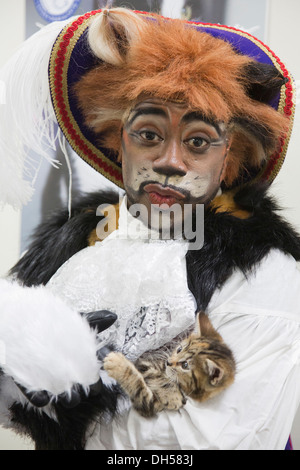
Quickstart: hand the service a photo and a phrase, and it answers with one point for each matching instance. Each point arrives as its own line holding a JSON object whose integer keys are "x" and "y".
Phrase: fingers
{"x": 96, "y": 388}
{"x": 102, "y": 353}
{"x": 101, "y": 319}
{"x": 77, "y": 395}
{"x": 69, "y": 400}
{"x": 38, "y": 399}
{"x": 66, "y": 399}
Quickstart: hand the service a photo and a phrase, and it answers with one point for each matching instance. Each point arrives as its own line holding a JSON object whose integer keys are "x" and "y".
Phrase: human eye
{"x": 149, "y": 136}
{"x": 198, "y": 144}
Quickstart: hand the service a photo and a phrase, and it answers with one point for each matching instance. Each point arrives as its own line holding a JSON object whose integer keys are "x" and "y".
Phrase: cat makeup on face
{"x": 170, "y": 147}
{"x": 193, "y": 185}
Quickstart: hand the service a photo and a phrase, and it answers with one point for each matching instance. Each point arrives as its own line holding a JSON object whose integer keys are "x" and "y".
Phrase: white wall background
{"x": 281, "y": 32}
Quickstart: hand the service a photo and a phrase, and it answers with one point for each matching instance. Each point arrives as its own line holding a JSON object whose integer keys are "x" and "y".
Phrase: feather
{"x": 28, "y": 127}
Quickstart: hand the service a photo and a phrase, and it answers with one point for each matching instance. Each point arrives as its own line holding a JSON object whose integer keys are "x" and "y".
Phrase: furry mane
{"x": 173, "y": 61}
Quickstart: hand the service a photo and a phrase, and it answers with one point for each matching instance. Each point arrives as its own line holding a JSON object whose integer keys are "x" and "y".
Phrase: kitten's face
{"x": 201, "y": 366}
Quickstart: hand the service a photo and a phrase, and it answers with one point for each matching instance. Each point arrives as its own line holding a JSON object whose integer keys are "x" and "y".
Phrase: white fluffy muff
{"x": 45, "y": 345}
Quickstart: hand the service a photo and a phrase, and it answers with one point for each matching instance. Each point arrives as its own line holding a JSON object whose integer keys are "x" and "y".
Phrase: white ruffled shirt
{"x": 258, "y": 317}
{"x": 142, "y": 280}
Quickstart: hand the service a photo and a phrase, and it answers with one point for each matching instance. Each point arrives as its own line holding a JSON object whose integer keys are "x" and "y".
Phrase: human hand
{"x": 100, "y": 321}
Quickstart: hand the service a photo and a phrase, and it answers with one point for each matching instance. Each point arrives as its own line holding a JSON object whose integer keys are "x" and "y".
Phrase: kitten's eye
{"x": 185, "y": 365}
{"x": 179, "y": 349}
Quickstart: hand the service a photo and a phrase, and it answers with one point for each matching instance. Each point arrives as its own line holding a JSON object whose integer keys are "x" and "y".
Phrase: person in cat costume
{"x": 172, "y": 112}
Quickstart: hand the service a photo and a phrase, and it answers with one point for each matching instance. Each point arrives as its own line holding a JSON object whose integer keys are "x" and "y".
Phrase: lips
{"x": 163, "y": 195}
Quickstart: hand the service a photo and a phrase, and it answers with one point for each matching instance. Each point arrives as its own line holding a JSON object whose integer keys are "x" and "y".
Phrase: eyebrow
{"x": 147, "y": 111}
{"x": 187, "y": 118}
{"x": 198, "y": 116}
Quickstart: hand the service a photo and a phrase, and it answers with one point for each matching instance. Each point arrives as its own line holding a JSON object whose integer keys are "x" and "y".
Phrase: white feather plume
{"x": 28, "y": 127}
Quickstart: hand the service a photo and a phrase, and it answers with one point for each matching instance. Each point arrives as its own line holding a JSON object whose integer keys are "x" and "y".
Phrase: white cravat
{"x": 143, "y": 281}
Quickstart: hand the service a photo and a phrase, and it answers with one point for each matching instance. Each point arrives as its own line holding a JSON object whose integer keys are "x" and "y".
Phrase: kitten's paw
{"x": 175, "y": 403}
{"x": 114, "y": 364}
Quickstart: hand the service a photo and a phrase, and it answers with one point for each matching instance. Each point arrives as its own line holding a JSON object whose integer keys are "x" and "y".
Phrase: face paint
{"x": 171, "y": 155}
{"x": 193, "y": 186}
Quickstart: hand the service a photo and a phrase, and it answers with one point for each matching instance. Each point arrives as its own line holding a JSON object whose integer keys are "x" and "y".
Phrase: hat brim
{"x": 71, "y": 58}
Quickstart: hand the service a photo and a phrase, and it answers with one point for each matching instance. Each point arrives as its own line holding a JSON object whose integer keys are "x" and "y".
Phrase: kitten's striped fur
{"x": 200, "y": 366}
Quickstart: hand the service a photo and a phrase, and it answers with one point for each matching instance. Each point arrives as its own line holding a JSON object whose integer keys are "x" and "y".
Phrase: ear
{"x": 111, "y": 33}
{"x": 215, "y": 372}
{"x": 264, "y": 81}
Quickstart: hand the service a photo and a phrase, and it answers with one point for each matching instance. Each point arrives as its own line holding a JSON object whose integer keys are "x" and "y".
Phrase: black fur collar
{"x": 232, "y": 243}
{"x": 229, "y": 241}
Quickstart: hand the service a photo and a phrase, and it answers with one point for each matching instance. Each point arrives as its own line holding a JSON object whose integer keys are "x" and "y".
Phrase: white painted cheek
{"x": 138, "y": 175}
{"x": 200, "y": 187}
{"x": 134, "y": 180}
{"x": 131, "y": 177}
{"x": 197, "y": 185}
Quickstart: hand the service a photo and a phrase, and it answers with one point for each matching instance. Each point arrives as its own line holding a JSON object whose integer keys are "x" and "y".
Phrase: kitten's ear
{"x": 204, "y": 327}
{"x": 215, "y": 372}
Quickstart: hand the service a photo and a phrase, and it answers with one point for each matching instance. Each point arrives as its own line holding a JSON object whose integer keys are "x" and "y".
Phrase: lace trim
{"x": 145, "y": 284}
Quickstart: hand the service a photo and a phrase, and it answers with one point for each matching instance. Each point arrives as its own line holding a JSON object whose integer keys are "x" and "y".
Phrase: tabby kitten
{"x": 200, "y": 366}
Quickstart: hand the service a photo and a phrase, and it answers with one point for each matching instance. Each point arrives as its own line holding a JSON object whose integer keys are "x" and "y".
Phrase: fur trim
{"x": 68, "y": 430}
{"x": 231, "y": 239}
{"x": 54, "y": 349}
{"x": 226, "y": 203}
{"x": 45, "y": 254}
